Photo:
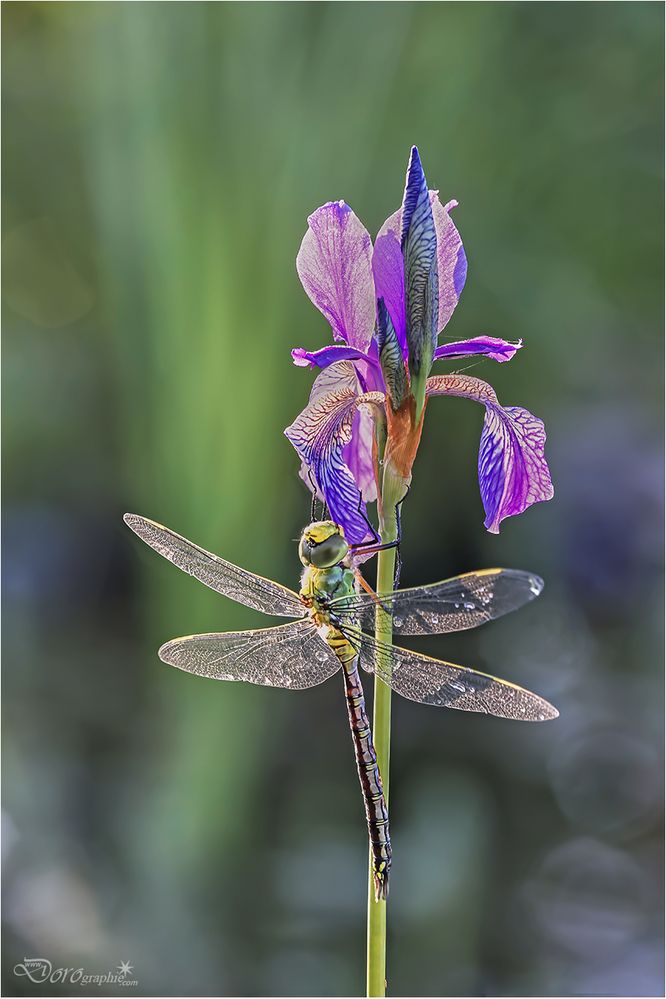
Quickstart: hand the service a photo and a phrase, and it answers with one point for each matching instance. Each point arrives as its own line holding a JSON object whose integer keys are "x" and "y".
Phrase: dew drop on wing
{"x": 469, "y": 606}
{"x": 460, "y": 687}
{"x": 398, "y": 621}
{"x": 536, "y": 585}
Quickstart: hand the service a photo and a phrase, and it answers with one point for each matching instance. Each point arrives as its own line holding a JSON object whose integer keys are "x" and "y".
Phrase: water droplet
{"x": 536, "y": 585}
{"x": 398, "y": 621}
{"x": 469, "y": 606}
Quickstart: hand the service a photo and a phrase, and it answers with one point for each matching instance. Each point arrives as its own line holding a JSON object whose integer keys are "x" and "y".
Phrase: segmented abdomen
{"x": 366, "y": 763}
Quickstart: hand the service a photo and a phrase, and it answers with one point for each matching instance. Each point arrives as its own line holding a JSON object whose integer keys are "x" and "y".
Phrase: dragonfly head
{"x": 322, "y": 545}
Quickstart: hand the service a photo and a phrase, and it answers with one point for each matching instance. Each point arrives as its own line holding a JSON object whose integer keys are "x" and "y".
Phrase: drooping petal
{"x": 340, "y": 375}
{"x": 320, "y": 435}
{"x": 334, "y": 264}
{"x": 358, "y": 454}
{"x": 451, "y": 261}
{"x": 492, "y": 347}
{"x": 389, "y": 272}
{"x": 418, "y": 242}
{"x": 513, "y": 473}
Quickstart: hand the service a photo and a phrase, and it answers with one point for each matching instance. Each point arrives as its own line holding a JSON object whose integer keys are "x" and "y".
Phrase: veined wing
{"x": 292, "y": 655}
{"x": 453, "y": 605}
{"x": 432, "y": 681}
{"x": 211, "y": 570}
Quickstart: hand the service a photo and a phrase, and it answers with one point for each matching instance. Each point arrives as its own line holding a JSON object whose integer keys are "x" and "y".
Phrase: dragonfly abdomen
{"x": 366, "y": 763}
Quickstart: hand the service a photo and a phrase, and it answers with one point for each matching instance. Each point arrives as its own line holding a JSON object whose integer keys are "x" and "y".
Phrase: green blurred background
{"x": 160, "y": 160}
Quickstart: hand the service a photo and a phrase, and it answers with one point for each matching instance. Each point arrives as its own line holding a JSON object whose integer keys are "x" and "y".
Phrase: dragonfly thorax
{"x": 322, "y": 545}
{"x": 320, "y": 586}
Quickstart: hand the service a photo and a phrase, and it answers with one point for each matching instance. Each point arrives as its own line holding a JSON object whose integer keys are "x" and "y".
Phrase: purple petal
{"x": 451, "y": 260}
{"x": 320, "y": 435}
{"x": 334, "y": 264}
{"x": 358, "y": 454}
{"x": 389, "y": 273}
{"x": 492, "y": 347}
{"x": 327, "y": 355}
{"x": 366, "y": 366}
{"x": 513, "y": 473}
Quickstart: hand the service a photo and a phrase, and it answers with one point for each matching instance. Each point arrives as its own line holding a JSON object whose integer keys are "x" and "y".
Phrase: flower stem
{"x": 381, "y": 724}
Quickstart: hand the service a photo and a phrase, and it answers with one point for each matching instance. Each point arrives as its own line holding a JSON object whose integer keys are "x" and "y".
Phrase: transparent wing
{"x": 292, "y": 655}
{"x": 452, "y": 605}
{"x": 432, "y": 681}
{"x": 211, "y": 570}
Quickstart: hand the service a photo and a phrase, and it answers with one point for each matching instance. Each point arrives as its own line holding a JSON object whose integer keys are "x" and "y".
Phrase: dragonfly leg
{"x": 365, "y": 585}
{"x": 313, "y": 505}
{"x": 398, "y": 559}
{"x": 369, "y": 547}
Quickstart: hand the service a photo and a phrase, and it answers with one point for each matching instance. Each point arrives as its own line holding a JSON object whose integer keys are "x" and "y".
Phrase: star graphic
{"x": 125, "y": 968}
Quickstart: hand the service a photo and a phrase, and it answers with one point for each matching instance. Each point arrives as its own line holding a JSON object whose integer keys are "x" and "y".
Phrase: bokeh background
{"x": 160, "y": 160}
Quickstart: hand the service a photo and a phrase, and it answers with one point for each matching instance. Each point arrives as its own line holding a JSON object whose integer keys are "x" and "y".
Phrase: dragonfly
{"x": 328, "y": 633}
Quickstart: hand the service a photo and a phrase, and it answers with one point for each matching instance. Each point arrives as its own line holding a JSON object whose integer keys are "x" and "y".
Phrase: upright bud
{"x": 418, "y": 241}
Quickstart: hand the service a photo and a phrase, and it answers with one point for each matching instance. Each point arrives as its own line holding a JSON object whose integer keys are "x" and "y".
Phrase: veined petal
{"x": 334, "y": 264}
{"x": 492, "y": 347}
{"x": 451, "y": 259}
{"x": 513, "y": 473}
{"x": 389, "y": 273}
{"x": 320, "y": 435}
{"x": 451, "y": 262}
{"x": 418, "y": 242}
{"x": 340, "y": 375}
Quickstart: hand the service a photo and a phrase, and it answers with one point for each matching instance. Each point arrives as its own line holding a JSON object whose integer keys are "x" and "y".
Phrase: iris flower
{"x": 387, "y": 306}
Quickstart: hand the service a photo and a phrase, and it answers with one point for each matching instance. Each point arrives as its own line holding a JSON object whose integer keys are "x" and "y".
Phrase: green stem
{"x": 381, "y": 724}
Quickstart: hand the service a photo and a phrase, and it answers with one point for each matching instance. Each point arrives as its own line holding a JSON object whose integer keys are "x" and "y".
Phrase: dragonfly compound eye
{"x": 329, "y": 552}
